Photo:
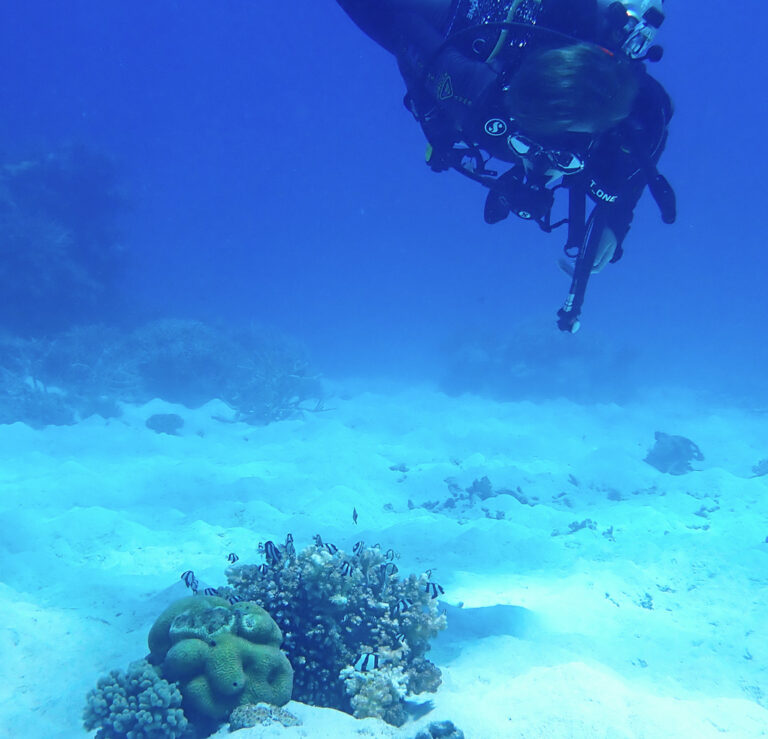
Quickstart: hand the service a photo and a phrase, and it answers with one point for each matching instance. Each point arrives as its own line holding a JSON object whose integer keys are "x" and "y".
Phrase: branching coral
{"x": 335, "y": 608}
{"x": 379, "y": 693}
{"x": 135, "y": 704}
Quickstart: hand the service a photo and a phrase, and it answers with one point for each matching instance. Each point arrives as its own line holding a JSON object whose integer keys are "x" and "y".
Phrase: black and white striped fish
{"x": 232, "y": 557}
{"x": 357, "y": 549}
{"x": 290, "y": 550}
{"x": 272, "y": 553}
{"x": 433, "y": 589}
{"x": 330, "y": 548}
{"x": 318, "y": 541}
{"x": 367, "y": 661}
{"x": 189, "y": 579}
{"x": 263, "y": 570}
{"x": 404, "y": 605}
{"x": 345, "y": 568}
{"x": 210, "y": 591}
{"x": 388, "y": 568}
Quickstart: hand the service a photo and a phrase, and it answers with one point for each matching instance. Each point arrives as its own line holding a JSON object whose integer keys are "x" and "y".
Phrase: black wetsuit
{"x": 455, "y": 88}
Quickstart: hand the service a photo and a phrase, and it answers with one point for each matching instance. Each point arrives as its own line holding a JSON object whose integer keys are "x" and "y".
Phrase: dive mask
{"x": 562, "y": 160}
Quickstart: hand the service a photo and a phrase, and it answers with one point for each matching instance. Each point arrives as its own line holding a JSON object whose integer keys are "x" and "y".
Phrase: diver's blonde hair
{"x": 575, "y": 87}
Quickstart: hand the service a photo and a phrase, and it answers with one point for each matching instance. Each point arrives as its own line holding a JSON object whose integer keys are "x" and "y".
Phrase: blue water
{"x": 270, "y": 174}
{"x": 274, "y": 175}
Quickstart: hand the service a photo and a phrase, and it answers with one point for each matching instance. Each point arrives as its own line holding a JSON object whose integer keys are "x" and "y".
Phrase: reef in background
{"x": 261, "y": 375}
{"x": 61, "y": 250}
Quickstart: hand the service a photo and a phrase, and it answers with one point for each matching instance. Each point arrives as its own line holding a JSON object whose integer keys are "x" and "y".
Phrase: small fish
{"x": 263, "y": 570}
{"x": 401, "y": 637}
{"x": 389, "y": 554}
{"x": 354, "y": 515}
{"x": 235, "y": 599}
{"x": 367, "y": 661}
{"x": 318, "y": 541}
{"x": 272, "y": 553}
{"x": 358, "y": 547}
{"x": 330, "y": 548}
{"x": 189, "y": 578}
{"x": 232, "y": 557}
{"x": 290, "y": 550}
{"x": 404, "y": 605}
{"x": 345, "y": 568}
{"x": 388, "y": 568}
{"x": 428, "y": 573}
{"x": 210, "y": 591}
{"x": 433, "y": 589}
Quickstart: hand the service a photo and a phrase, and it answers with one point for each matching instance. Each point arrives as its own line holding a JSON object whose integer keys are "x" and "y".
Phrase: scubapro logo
{"x": 495, "y": 127}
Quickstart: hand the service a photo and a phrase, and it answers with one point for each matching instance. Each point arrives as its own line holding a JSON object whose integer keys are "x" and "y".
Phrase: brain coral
{"x": 222, "y": 656}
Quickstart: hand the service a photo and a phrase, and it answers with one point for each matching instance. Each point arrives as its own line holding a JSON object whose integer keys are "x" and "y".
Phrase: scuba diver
{"x": 528, "y": 97}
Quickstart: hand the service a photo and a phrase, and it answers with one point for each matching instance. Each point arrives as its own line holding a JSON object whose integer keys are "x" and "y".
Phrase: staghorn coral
{"x": 334, "y": 607}
{"x": 135, "y": 704}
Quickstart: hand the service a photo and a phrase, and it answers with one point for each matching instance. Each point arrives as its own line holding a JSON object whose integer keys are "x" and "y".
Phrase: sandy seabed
{"x": 649, "y": 620}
